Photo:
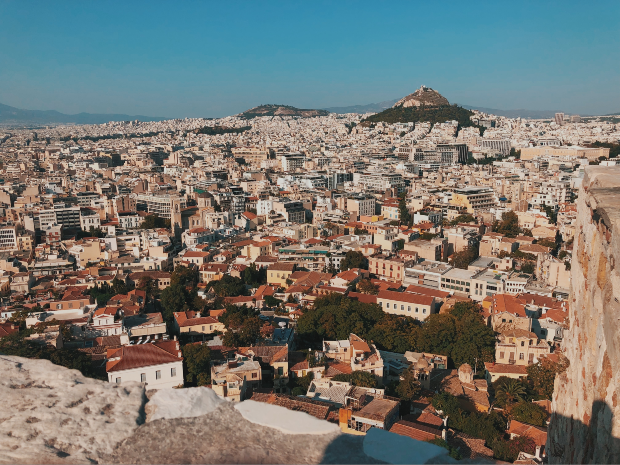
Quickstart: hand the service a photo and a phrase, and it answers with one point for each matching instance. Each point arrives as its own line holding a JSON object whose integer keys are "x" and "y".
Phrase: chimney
{"x": 537, "y": 453}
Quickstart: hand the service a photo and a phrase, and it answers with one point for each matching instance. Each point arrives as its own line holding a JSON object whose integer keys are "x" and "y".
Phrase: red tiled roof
{"x": 143, "y": 355}
{"x": 415, "y": 430}
{"x": 537, "y": 433}
{"x": 426, "y": 291}
{"x": 406, "y": 297}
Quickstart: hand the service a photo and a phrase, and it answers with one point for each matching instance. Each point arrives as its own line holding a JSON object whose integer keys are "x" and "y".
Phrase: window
{"x": 531, "y": 342}
{"x": 158, "y": 374}
{"x": 118, "y": 381}
{"x": 388, "y": 305}
{"x": 501, "y": 355}
{"x": 531, "y": 358}
{"x": 254, "y": 375}
{"x": 522, "y": 343}
{"x": 203, "y": 328}
{"x": 521, "y": 356}
{"x": 402, "y": 307}
{"x": 423, "y": 310}
{"x": 173, "y": 372}
{"x": 408, "y": 308}
{"x": 143, "y": 377}
{"x": 503, "y": 320}
{"x": 280, "y": 371}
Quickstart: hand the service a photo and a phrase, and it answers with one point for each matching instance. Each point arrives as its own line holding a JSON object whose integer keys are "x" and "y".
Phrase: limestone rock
{"x": 423, "y": 96}
{"x": 51, "y": 414}
{"x": 585, "y": 425}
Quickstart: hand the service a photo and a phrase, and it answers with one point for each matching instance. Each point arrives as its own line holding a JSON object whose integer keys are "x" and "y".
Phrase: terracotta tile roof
{"x": 469, "y": 446}
{"x": 505, "y": 368}
{"x": 426, "y": 291}
{"x": 359, "y": 345}
{"x": 297, "y": 361}
{"x": 508, "y": 303}
{"x": 143, "y": 355}
{"x": 364, "y": 298}
{"x": 267, "y": 354}
{"x": 337, "y": 368}
{"x": 406, "y": 297}
{"x": 282, "y": 267}
{"x": 537, "y": 433}
{"x": 425, "y": 418}
{"x": 8, "y": 328}
{"x": 415, "y": 430}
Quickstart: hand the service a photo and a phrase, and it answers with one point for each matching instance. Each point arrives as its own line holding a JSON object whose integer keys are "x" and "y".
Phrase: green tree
{"x": 452, "y": 452}
{"x": 245, "y": 334}
{"x": 509, "y": 391}
{"x": 173, "y": 299}
{"x": 408, "y": 388}
{"x": 366, "y": 286}
{"x": 508, "y": 451}
{"x": 154, "y": 221}
{"x": 466, "y": 218}
{"x": 541, "y": 376}
{"x": 530, "y": 413}
{"x": 438, "y": 334}
{"x": 509, "y": 226}
{"x": 528, "y": 268}
{"x": 403, "y": 211}
{"x": 463, "y": 258}
{"x": 551, "y": 214}
{"x": 197, "y": 361}
{"x": 228, "y": 286}
{"x": 358, "y": 378}
{"x": 185, "y": 276}
{"x": 353, "y": 259}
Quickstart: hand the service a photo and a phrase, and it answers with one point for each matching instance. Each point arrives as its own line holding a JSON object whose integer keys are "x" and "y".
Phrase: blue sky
{"x": 211, "y": 59}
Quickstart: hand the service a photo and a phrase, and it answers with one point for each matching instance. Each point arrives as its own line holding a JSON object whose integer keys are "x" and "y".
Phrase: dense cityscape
{"x": 394, "y": 271}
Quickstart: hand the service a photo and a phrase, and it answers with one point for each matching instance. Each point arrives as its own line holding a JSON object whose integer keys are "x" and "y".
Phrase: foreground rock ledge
{"x": 55, "y": 415}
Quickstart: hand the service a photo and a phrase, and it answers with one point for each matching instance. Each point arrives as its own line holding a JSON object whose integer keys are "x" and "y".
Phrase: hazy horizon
{"x": 214, "y": 60}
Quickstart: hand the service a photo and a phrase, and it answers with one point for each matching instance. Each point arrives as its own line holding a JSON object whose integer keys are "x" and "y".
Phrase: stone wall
{"x": 585, "y": 425}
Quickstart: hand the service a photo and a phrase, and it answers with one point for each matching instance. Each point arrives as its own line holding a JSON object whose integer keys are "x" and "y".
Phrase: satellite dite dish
{"x": 282, "y": 324}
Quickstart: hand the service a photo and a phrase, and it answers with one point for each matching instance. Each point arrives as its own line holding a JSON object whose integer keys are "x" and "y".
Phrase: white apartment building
{"x": 292, "y": 162}
{"x": 362, "y": 205}
{"x": 156, "y": 366}
{"x": 161, "y": 205}
{"x": 8, "y": 238}
{"x": 89, "y": 220}
{"x": 382, "y": 181}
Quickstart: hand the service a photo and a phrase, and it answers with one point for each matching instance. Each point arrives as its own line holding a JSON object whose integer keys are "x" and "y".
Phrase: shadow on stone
{"x": 572, "y": 441}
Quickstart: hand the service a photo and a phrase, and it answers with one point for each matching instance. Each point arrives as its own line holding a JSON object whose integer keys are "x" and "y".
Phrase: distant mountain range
{"x": 281, "y": 110}
{"x": 533, "y": 114}
{"x": 16, "y": 116}
{"x": 379, "y": 107}
{"x": 361, "y": 109}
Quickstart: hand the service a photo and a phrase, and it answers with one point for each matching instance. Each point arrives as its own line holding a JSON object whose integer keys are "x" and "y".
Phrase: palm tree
{"x": 510, "y": 392}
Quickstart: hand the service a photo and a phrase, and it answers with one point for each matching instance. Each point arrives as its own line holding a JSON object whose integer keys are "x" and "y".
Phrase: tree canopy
{"x": 353, "y": 259}
{"x": 358, "y": 378}
{"x": 508, "y": 226}
{"x": 197, "y": 361}
{"x": 154, "y": 221}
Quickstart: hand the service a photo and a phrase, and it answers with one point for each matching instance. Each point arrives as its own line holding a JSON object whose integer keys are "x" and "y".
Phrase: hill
{"x": 281, "y": 110}
{"x": 424, "y": 105}
{"x": 361, "y": 109}
{"x": 438, "y": 114}
{"x": 424, "y": 96}
{"x": 16, "y": 116}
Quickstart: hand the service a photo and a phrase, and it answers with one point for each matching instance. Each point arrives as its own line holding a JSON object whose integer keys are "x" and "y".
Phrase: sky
{"x": 210, "y": 59}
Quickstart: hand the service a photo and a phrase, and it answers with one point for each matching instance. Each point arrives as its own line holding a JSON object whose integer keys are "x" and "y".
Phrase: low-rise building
{"x": 158, "y": 365}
